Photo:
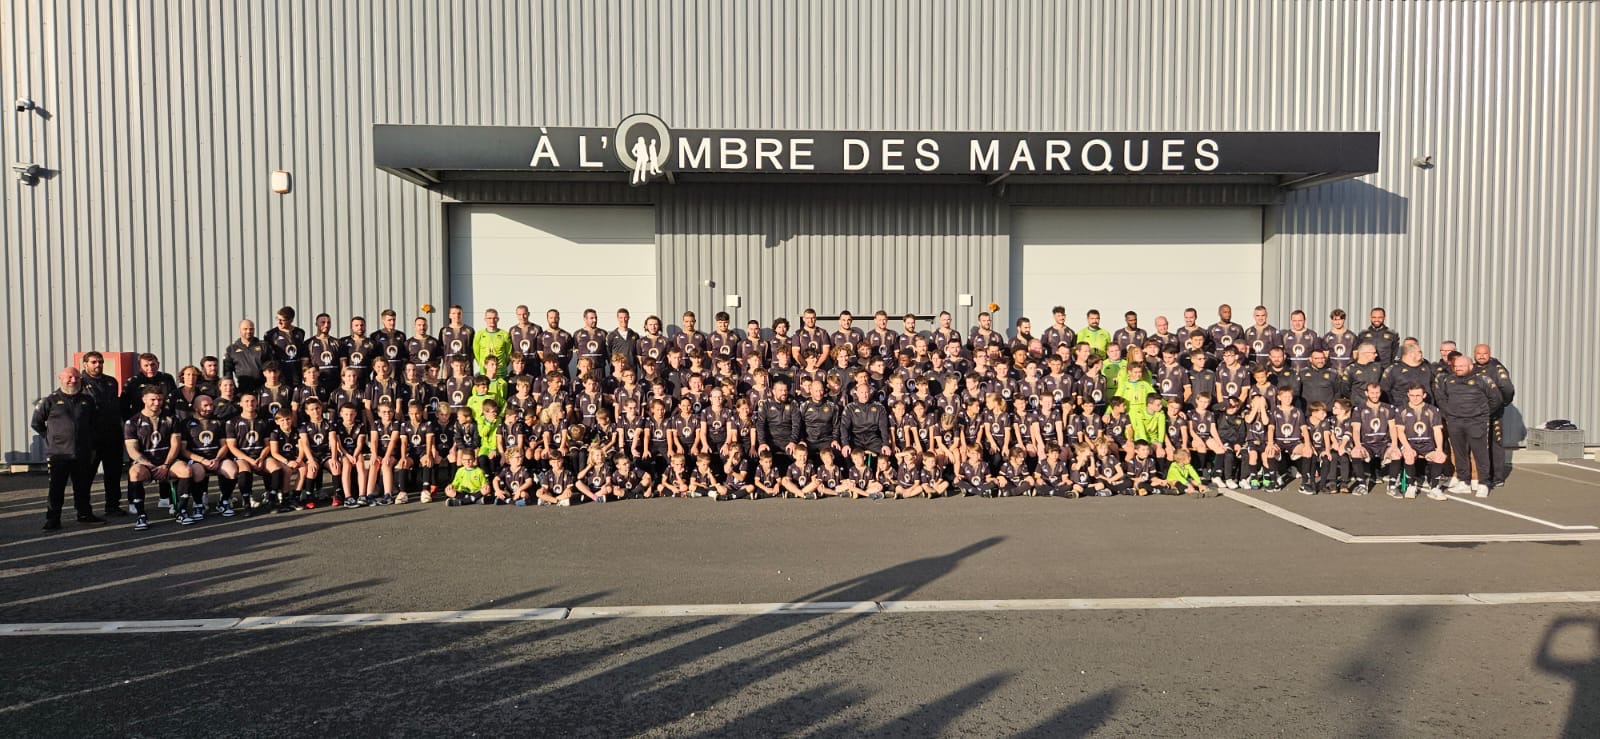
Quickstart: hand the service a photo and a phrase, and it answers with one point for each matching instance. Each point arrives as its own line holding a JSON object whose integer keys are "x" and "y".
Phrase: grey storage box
{"x": 1566, "y": 444}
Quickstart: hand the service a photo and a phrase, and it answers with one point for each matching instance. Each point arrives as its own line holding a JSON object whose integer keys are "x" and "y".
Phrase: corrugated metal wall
{"x": 782, "y": 249}
{"x": 156, "y": 229}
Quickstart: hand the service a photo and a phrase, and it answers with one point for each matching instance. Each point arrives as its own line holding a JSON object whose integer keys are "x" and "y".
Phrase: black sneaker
{"x": 91, "y": 520}
{"x": 117, "y": 511}
{"x": 51, "y": 524}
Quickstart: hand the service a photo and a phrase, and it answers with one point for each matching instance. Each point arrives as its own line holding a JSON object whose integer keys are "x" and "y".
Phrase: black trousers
{"x": 1499, "y": 460}
{"x": 108, "y": 454}
{"x": 1469, "y": 440}
{"x": 80, "y": 472}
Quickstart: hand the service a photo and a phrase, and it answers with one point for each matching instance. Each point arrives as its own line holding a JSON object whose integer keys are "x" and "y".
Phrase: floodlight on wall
{"x": 1423, "y": 162}
{"x": 27, "y": 174}
{"x": 280, "y": 181}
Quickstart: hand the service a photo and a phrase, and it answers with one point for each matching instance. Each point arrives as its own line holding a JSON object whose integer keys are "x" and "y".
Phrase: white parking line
{"x": 1526, "y": 468}
{"x": 348, "y": 620}
{"x": 1347, "y": 538}
{"x": 1514, "y": 514}
{"x": 1584, "y": 467}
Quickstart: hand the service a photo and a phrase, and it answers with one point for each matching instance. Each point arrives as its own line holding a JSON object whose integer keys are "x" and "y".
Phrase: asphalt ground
{"x": 1360, "y": 670}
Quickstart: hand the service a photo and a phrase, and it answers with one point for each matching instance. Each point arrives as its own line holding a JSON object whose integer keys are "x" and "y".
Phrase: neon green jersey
{"x": 488, "y": 432}
{"x": 1097, "y": 339}
{"x": 469, "y": 480}
{"x": 1135, "y": 392}
{"x": 497, "y": 343}
{"x": 1146, "y": 426}
{"x": 1183, "y": 473}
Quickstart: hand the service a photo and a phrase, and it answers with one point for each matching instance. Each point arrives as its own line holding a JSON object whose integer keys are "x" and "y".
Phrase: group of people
{"x": 537, "y": 415}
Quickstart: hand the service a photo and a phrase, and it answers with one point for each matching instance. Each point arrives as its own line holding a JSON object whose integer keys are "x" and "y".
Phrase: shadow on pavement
{"x": 1578, "y": 664}
{"x": 764, "y": 675}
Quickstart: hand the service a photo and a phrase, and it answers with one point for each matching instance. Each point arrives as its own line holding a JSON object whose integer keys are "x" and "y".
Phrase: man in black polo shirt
{"x": 422, "y": 350}
{"x": 1467, "y": 401}
{"x": 1340, "y": 342}
{"x": 555, "y": 340}
{"x": 455, "y": 340}
{"x": 358, "y": 351}
{"x": 623, "y": 340}
{"x": 322, "y": 351}
{"x": 150, "y": 375}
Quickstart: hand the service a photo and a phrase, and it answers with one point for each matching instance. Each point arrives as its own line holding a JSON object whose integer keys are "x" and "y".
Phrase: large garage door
{"x": 1156, "y": 261}
{"x": 564, "y": 257}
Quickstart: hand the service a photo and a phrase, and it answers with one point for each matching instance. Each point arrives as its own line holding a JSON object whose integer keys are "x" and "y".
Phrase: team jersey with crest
{"x": 1375, "y": 423}
{"x": 512, "y": 478}
{"x": 1052, "y": 473}
{"x": 1341, "y": 348}
{"x": 1418, "y": 425}
{"x": 1287, "y": 426}
{"x": 154, "y": 437}
{"x": 359, "y": 352}
{"x": 1298, "y": 345}
{"x": 248, "y": 434}
{"x": 320, "y": 437}
{"x": 349, "y": 437}
{"x": 456, "y": 342}
{"x": 203, "y": 437}
{"x": 416, "y": 434}
{"x": 557, "y": 482}
{"x": 386, "y": 434}
{"x": 423, "y": 351}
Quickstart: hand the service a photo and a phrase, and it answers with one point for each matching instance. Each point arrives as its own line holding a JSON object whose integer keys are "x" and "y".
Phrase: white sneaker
{"x": 1480, "y": 490}
{"x": 1437, "y": 494}
{"x": 1217, "y": 482}
{"x": 1457, "y": 487}
{"x": 1233, "y": 484}
{"x": 564, "y": 503}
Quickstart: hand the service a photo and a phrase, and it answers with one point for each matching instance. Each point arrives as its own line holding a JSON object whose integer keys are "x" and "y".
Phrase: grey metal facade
{"x": 155, "y": 229}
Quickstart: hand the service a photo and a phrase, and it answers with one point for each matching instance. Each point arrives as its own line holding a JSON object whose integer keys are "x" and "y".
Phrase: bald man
{"x": 243, "y": 359}
{"x": 1485, "y": 365}
{"x": 1467, "y": 401}
{"x": 66, "y": 418}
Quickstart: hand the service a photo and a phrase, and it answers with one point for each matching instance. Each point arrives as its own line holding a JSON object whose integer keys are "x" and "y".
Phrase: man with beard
{"x": 1486, "y": 366}
{"x": 1130, "y": 335}
{"x": 590, "y": 341}
{"x": 243, "y": 358}
{"x": 107, "y": 428}
{"x": 322, "y": 351}
{"x": 555, "y": 341}
{"x": 1467, "y": 401}
{"x": 1381, "y": 337}
{"x": 777, "y": 424}
{"x": 358, "y": 351}
{"x": 1059, "y": 334}
{"x": 1262, "y": 337}
{"x": 422, "y": 350}
{"x": 1224, "y": 333}
{"x": 66, "y": 420}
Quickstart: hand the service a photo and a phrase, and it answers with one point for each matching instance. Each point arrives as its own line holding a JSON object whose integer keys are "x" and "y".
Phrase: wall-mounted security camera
{"x": 27, "y": 174}
{"x": 24, "y": 105}
{"x": 1423, "y": 162}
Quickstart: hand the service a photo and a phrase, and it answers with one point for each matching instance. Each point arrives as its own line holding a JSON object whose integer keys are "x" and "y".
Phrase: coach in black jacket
{"x": 65, "y": 418}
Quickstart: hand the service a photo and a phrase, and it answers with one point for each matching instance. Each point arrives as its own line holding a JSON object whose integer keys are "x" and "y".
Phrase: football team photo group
{"x": 534, "y": 415}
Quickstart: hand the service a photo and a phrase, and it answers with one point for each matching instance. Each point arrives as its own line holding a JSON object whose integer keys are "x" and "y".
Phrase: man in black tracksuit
{"x": 819, "y": 419}
{"x": 1467, "y": 400}
{"x": 864, "y": 425}
{"x": 243, "y": 359}
{"x": 777, "y": 424}
{"x": 1485, "y": 365}
{"x": 66, "y": 418}
{"x": 108, "y": 417}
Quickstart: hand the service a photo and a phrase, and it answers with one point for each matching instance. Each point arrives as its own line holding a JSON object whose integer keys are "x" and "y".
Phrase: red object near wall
{"x": 119, "y": 365}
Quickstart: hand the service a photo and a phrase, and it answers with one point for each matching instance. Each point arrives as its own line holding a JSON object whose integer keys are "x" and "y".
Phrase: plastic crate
{"x": 1566, "y": 444}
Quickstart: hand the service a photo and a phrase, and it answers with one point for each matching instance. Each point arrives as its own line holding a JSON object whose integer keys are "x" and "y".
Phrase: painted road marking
{"x": 1558, "y": 477}
{"x": 1347, "y": 538}
{"x": 347, "y": 620}
{"x": 1540, "y": 521}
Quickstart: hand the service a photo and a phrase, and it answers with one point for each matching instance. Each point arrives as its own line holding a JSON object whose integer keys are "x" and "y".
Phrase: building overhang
{"x": 432, "y": 156}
